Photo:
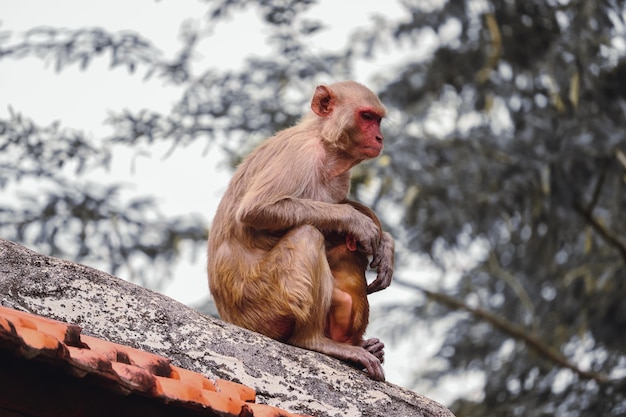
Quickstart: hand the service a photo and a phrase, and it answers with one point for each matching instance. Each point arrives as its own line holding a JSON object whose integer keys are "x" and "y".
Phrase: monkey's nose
{"x": 379, "y": 139}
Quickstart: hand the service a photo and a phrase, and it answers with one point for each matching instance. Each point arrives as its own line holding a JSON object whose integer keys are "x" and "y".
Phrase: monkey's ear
{"x": 323, "y": 101}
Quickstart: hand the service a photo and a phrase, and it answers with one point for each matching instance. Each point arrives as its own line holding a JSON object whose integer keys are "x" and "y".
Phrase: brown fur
{"x": 348, "y": 264}
{"x": 267, "y": 265}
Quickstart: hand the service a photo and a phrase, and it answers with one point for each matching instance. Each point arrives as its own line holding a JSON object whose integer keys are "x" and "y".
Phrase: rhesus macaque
{"x": 267, "y": 267}
{"x": 349, "y": 311}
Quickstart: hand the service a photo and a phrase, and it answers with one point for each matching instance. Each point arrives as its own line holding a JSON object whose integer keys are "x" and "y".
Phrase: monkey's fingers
{"x": 375, "y": 286}
{"x": 371, "y": 246}
{"x": 377, "y": 373}
{"x": 376, "y": 348}
{"x": 380, "y": 355}
{"x": 384, "y": 262}
{"x": 377, "y": 260}
{"x": 384, "y": 257}
{"x": 372, "y": 345}
{"x": 364, "y": 359}
{"x": 364, "y": 228}
{"x": 382, "y": 281}
{"x": 374, "y": 367}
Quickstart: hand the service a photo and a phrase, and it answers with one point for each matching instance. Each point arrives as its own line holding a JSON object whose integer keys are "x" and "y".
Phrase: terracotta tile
{"x": 192, "y": 378}
{"x": 175, "y": 389}
{"x": 223, "y": 403}
{"x": 127, "y": 368}
{"x": 89, "y": 361}
{"x": 52, "y": 327}
{"x": 36, "y": 341}
{"x": 134, "y": 377}
{"x": 4, "y": 325}
{"x": 235, "y": 390}
{"x": 158, "y": 365}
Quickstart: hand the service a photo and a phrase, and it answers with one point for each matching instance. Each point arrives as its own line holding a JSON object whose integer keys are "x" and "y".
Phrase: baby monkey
{"x": 349, "y": 312}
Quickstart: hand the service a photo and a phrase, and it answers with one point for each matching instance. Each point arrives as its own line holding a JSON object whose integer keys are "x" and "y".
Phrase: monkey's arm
{"x": 287, "y": 213}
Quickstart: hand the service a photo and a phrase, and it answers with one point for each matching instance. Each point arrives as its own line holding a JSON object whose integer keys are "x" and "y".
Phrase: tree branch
{"x": 496, "y": 269}
{"x": 587, "y": 214}
{"x": 509, "y": 328}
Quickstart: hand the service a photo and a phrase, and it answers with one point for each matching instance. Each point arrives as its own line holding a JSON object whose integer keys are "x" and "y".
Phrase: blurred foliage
{"x": 505, "y": 134}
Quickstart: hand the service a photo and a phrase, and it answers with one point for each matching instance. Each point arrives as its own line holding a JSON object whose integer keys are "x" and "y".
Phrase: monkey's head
{"x": 349, "y": 115}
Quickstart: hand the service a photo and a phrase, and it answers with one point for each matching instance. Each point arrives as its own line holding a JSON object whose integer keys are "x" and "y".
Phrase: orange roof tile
{"x": 129, "y": 370}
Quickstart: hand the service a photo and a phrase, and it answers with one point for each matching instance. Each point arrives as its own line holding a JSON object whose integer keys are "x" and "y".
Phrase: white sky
{"x": 81, "y": 100}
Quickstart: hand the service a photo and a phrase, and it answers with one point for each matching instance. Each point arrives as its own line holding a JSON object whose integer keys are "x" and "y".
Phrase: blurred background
{"x": 503, "y": 177}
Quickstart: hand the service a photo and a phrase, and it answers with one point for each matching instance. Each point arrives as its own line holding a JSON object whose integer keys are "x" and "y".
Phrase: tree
{"x": 504, "y": 139}
{"x": 533, "y": 169}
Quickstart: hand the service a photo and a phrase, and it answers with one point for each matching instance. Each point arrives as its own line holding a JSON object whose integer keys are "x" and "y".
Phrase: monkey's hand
{"x": 376, "y": 348}
{"x": 383, "y": 262}
{"x": 364, "y": 229}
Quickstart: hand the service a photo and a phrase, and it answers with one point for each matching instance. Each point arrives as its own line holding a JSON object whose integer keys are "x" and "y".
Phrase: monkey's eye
{"x": 369, "y": 116}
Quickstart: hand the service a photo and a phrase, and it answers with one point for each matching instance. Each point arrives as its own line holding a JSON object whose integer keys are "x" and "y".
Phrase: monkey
{"x": 267, "y": 266}
{"x": 349, "y": 313}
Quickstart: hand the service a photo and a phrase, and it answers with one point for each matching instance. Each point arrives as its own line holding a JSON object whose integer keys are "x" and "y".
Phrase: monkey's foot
{"x": 375, "y": 347}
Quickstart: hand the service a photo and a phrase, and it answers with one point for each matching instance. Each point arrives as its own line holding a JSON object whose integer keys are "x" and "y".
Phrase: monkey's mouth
{"x": 373, "y": 150}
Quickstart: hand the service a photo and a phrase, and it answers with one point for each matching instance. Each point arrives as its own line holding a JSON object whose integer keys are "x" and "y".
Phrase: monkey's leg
{"x": 340, "y": 317}
{"x": 298, "y": 267}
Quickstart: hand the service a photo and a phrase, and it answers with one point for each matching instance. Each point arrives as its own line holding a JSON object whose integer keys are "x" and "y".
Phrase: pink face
{"x": 368, "y": 121}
